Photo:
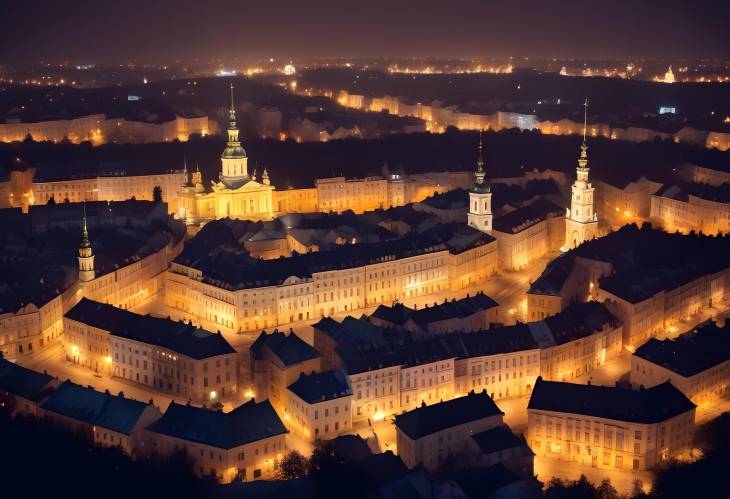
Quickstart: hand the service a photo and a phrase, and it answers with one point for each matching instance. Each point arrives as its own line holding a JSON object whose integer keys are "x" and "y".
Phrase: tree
{"x": 51, "y": 200}
{"x": 293, "y": 465}
{"x": 157, "y": 194}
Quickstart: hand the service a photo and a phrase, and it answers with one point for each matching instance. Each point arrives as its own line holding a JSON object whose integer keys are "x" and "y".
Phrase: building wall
{"x": 432, "y": 450}
{"x": 702, "y": 388}
{"x": 661, "y": 312}
{"x": 271, "y": 377}
{"x": 520, "y": 249}
{"x": 319, "y": 421}
{"x": 376, "y": 394}
{"x": 695, "y": 214}
{"x": 201, "y": 380}
{"x": 294, "y": 201}
{"x": 30, "y": 329}
{"x": 327, "y": 293}
{"x": 502, "y": 376}
{"x": 573, "y": 359}
{"x": 428, "y": 383}
{"x": 248, "y": 462}
{"x": 607, "y": 443}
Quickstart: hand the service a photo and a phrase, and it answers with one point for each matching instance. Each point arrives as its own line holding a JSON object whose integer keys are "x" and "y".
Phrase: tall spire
{"x": 480, "y": 173}
{"x": 85, "y": 243}
{"x": 583, "y": 161}
{"x": 232, "y": 111}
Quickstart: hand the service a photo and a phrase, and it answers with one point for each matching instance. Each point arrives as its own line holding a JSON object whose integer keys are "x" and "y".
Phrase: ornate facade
{"x": 237, "y": 194}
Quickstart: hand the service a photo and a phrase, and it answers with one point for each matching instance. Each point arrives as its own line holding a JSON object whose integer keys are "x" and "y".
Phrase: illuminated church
{"x": 237, "y": 194}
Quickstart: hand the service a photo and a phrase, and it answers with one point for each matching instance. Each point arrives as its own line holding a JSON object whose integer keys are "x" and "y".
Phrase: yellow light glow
{"x": 249, "y": 394}
{"x": 108, "y": 359}
{"x": 74, "y": 350}
{"x": 213, "y": 395}
{"x": 379, "y": 416}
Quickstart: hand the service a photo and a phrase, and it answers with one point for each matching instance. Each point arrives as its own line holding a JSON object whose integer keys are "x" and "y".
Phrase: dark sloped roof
{"x": 350, "y": 447}
{"x": 318, "y": 387}
{"x": 579, "y": 320}
{"x": 650, "y": 405}
{"x": 498, "y": 438}
{"x": 692, "y": 352}
{"x": 180, "y": 337}
{"x": 526, "y": 216}
{"x": 247, "y": 423}
{"x": 102, "y": 409}
{"x": 437, "y": 417}
{"x": 481, "y": 483}
{"x": 290, "y": 349}
{"x": 23, "y": 382}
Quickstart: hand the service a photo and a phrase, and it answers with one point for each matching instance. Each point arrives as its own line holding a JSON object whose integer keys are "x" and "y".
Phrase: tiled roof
{"x": 290, "y": 349}
{"x": 250, "y": 422}
{"x": 430, "y": 419}
{"x": 497, "y": 439}
{"x": 23, "y": 382}
{"x": 319, "y": 387}
{"x": 650, "y": 405}
{"x": 691, "y": 353}
{"x": 102, "y": 409}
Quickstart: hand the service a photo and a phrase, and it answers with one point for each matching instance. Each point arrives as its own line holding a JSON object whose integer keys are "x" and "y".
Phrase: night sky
{"x": 159, "y": 31}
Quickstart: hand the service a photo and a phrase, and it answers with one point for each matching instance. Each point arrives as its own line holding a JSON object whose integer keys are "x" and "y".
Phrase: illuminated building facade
{"x": 429, "y": 435}
{"x": 319, "y": 406}
{"x": 622, "y": 202}
{"x": 100, "y": 129}
{"x": 581, "y": 338}
{"x": 692, "y": 208}
{"x": 257, "y": 294}
{"x": 121, "y": 280}
{"x": 237, "y": 194}
{"x": 241, "y": 445}
{"x": 168, "y": 356}
{"x": 609, "y": 427}
{"x": 633, "y": 272}
{"x": 277, "y": 361}
{"x": 697, "y": 363}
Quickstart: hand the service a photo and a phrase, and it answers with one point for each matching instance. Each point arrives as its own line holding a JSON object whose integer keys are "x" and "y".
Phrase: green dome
{"x": 232, "y": 152}
{"x": 482, "y": 188}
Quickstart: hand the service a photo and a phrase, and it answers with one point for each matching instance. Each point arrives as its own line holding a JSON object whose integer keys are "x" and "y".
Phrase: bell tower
{"x": 86, "y": 255}
{"x": 581, "y": 221}
{"x": 234, "y": 171}
{"x": 480, "y": 197}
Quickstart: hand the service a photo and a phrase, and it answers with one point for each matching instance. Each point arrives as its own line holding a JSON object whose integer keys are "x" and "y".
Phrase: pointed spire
{"x": 583, "y": 161}
{"x": 480, "y": 173}
{"x": 85, "y": 243}
{"x": 232, "y": 111}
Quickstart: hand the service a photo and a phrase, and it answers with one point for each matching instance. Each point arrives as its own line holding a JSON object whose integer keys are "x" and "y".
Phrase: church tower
{"x": 234, "y": 161}
{"x": 480, "y": 197}
{"x": 581, "y": 222}
{"x": 86, "y": 255}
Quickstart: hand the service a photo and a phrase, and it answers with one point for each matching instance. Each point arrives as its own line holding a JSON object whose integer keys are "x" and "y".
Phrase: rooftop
{"x": 497, "y": 439}
{"x": 526, "y": 216}
{"x": 646, "y": 406}
{"x": 319, "y": 387}
{"x": 101, "y": 409}
{"x": 429, "y": 419}
{"x": 290, "y": 349}
{"x": 398, "y": 314}
{"x": 23, "y": 382}
{"x": 692, "y": 352}
{"x": 250, "y": 422}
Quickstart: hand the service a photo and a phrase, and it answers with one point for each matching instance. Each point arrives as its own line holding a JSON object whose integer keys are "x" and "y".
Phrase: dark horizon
{"x": 159, "y": 32}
